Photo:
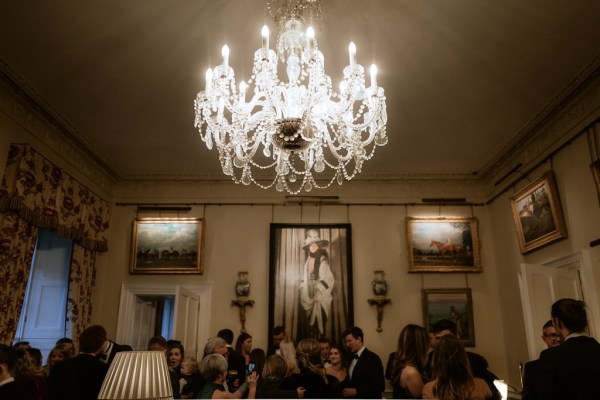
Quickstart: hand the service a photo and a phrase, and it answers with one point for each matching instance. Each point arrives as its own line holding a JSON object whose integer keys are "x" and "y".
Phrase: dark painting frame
{"x": 167, "y": 246}
{"x": 290, "y": 285}
{"x": 455, "y": 304}
{"x": 443, "y": 244}
{"x": 538, "y": 215}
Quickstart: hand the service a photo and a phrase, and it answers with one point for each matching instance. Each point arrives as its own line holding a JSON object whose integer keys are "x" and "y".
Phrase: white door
{"x": 187, "y": 320}
{"x": 541, "y": 286}
{"x": 144, "y": 320}
{"x": 45, "y": 306}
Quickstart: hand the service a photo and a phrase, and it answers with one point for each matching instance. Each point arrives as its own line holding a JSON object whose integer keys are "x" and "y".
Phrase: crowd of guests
{"x": 428, "y": 365}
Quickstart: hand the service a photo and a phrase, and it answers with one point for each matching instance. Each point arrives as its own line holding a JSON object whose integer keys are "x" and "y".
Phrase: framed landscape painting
{"x": 310, "y": 280}
{"x": 443, "y": 245}
{"x": 537, "y": 214}
{"x": 166, "y": 246}
{"x": 452, "y": 304}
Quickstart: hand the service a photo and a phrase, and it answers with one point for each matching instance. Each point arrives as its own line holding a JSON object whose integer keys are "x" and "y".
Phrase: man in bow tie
{"x": 366, "y": 369}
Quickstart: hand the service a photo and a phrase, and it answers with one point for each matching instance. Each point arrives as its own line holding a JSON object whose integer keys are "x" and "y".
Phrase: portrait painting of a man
{"x": 311, "y": 280}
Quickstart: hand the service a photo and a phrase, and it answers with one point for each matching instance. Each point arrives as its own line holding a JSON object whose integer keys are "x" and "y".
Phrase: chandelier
{"x": 295, "y": 135}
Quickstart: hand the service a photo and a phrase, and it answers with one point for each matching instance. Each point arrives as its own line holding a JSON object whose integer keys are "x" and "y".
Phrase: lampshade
{"x": 137, "y": 375}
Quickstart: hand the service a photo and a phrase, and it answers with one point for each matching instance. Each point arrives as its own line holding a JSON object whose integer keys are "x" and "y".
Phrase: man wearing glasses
{"x": 551, "y": 338}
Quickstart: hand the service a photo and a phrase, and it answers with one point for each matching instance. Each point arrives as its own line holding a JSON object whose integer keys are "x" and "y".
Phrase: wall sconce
{"x": 242, "y": 290}
{"x": 137, "y": 375}
{"x": 379, "y": 285}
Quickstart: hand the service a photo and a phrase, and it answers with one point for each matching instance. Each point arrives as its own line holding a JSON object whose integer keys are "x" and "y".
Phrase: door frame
{"x": 580, "y": 261}
{"x": 129, "y": 292}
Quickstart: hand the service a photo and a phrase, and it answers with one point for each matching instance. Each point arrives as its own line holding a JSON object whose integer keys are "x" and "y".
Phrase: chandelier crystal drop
{"x": 294, "y": 135}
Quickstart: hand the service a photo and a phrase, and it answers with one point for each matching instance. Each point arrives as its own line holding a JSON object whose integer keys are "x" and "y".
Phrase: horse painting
{"x": 447, "y": 248}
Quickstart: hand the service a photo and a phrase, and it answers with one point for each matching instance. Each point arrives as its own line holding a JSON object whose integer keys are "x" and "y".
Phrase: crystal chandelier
{"x": 294, "y": 135}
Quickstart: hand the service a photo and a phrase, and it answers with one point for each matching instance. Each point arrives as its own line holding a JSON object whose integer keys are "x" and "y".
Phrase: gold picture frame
{"x": 167, "y": 246}
{"x": 538, "y": 215}
{"x": 595, "y": 168}
{"x": 452, "y": 304}
{"x": 443, "y": 245}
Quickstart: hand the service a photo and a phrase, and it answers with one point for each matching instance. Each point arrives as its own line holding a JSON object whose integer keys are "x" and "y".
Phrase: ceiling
{"x": 463, "y": 78}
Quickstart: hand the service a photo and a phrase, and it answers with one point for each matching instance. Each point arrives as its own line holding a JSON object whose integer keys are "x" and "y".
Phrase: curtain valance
{"x": 47, "y": 197}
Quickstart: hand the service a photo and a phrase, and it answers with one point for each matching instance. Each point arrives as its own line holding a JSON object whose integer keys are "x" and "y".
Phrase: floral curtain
{"x": 44, "y": 195}
{"x": 34, "y": 194}
{"x": 17, "y": 244}
{"x": 82, "y": 277}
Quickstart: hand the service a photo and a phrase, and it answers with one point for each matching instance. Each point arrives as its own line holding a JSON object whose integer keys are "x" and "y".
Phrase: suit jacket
{"x": 11, "y": 391}
{"x": 116, "y": 348}
{"x": 570, "y": 371}
{"x": 367, "y": 376}
{"x": 78, "y": 378}
{"x": 530, "y": 371}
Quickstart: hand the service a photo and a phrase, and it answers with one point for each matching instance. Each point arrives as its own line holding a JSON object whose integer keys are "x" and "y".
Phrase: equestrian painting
{"x": 443, "y": 245}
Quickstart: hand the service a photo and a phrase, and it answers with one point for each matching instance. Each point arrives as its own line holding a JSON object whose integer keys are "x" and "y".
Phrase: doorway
{"x": 542, "y": 284}
{"x": 139, "y": 311}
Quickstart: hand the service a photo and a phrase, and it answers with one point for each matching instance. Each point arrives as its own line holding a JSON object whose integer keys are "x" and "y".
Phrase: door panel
{"x": 187, "y": 312}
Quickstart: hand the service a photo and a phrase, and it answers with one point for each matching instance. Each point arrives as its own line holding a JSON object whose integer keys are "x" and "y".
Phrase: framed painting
{"x": 450, "y": 304}
{"x": 443, "y": 245}
{"x": 537, "y": 214}
{"x": 310, "y": 280}
{"x": 166, "y": 246}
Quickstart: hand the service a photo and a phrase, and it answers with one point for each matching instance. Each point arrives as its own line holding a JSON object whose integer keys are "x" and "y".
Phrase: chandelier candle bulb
{"x": 243, "y": 88}
{"x": 352, "y": 52}
{"x": 373, "y": 70}
{"x": 225, "y": 54}
{"x": 265, "y": 37}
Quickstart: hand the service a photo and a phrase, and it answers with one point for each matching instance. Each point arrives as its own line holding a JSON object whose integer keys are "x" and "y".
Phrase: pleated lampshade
{"x": 137, "y": 375}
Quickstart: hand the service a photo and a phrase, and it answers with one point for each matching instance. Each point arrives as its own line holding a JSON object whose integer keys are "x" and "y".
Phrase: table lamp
{"x": 137, "y": 375}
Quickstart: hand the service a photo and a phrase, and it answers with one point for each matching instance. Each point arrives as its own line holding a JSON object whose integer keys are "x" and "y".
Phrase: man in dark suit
{"x": 366, "y": 369}
{"x": 236, "y": 364}
{"x": 278, "y": 336}
{"x": 9, "y": 389}
{"x": 551, "y": 338}
{"x": 110, "y": 349}
{"x": 571, "y": 370}
{"x": 81, "y": 377}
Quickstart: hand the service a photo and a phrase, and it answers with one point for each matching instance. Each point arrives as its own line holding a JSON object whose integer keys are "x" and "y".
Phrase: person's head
{"x": 325, "y": 346}
{"x": 451, "y": 369}
{"x": 8, "y": 358}
{"x": 227, "y": 335}
{"x": 353, "y": 339}
{"x": 175, "y": 354}
{"x": 278, "y": 335}
{"x": 213, "y": 368}
{"x": 36, "y": 356}
{"x": 216, "y": 346}
{"x": 243, "y": 344}
{"x": 287, "y": 350}
{"x": 56, "y": 355}
{"x": 275, "y": 367}
{"x": 67, "y": 344}
{"x": 549, "y": 335}
{"x": 440, "y": 329}
{"x": 92, "y": 339}
{"x": 336, "y": 355}
{"x": 189, "y": 365}
{"x": 309, "y": 356}
{"x": 568, "y": 316}
{"x": 257, "y": 356}
{"x": 413, "y": 344}
{"x": 22, "y": 345}
{"x": 157, "y": 343}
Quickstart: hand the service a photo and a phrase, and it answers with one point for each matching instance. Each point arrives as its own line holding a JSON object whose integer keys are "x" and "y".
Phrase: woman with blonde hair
{"x": 409, "y": 363}
{"x": 287, "y": 350}
{"x": 452, "y": 377}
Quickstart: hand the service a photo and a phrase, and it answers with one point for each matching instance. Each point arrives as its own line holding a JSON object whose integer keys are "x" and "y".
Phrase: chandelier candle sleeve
{"x": 352, "y": 52}
{"x": 298, "y": 133}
